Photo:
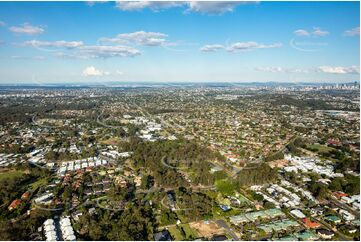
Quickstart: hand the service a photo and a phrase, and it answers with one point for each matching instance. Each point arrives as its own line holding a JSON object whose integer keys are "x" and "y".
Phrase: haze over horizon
{"x": 89, "y": 42}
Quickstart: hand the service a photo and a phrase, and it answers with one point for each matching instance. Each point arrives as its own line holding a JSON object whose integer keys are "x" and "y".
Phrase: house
{"x": 346, "y": 215}
{"x": 325, "y": 234}
{"x": 298, "y": 213}
{"x": 235, "y": 201}
{"x": 347, "y": 200}
{"x": 316, "y": 211}
{"x": 25, "y": 195}
{"x": 50, "y": 230}
{"x": 307, "y": 236}
{"x": 224, "y": 207}
{"x": 171, "y": 200}
{"x": 350, "y": 228}
{"x": 333, "y": 218}
{"x": 310, "y": 224}
{"x": 164, "y": 235}
{"x": 14, "y": 204}
{"x": 339, "y": 194}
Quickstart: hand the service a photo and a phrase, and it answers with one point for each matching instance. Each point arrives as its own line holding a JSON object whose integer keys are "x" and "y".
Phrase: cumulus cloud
{"x": 213, "y": 7}
{"x": 139, "y": 37}
{"x": 100, "y": 51}
{"x": 339, "y": 69}
{"x": 92, "y": 71}
{"x": 302, "y": 32}
{"x": 352, "y": 32}
{"x": 316, "y": 32}
{"x": 26, "y": 28}
{"x": 77, "y": 49}
{"x": 59, "y": 43}
{"x": 251, "y": 45}
{"x": 211, "y": 48}
{"x": 153, "y": 5}
{"x": 105, "y": 51}
{"x": 92, "y": 3}
{"x": 239, "y": 46}
{"x": 270, "y": 69}
{"x": 319, "y": 32}
{"x": 208, "y": 7}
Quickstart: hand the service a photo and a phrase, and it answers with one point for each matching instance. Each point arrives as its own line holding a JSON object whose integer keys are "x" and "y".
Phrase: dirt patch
{"x": 206, "y": 230}
{"x": 278, "y": 163}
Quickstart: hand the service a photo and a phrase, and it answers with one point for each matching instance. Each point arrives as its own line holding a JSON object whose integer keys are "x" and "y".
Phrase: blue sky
{"x": 56, "y": 42}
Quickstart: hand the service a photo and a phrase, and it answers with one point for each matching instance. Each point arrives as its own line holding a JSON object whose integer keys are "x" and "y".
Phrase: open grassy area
{"x": 10, "y": 175}
{"x": 190, "y": 233}
{"x": 39, "y": 183}
{"x": 319, "y": 148}
{"x": 111, "y": 141}
{"x": 177, "y": 234}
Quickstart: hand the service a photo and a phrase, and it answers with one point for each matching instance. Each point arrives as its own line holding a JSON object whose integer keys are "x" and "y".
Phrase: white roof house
{"x": 298, "y": 213}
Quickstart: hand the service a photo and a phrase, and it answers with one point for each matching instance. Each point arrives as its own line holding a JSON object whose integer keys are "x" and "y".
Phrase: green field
{"x": 320, "y": 148}
{"x": 10, "y": 175}
{"x": 39, "y": 183}
{"x": 177, "y": 234}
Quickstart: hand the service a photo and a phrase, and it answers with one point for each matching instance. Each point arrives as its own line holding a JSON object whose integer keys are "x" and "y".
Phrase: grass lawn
{"x": 243, "y": 199}
{"x": 320, "y": 148}
{"x": 177, "y": 234}
{"x": 189, "y": 232}
{"x": 38, "y": 183}
{"x": 10, "y": 175}
{"x": 111, "y": 141}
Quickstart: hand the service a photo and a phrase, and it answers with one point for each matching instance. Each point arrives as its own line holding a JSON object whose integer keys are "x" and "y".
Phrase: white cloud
{"x": 140, "y": 5}
{"x": 2, "y": 24}
{"x": 339, "y": 69}
{"x": 208, "y": 7}
{"x": 100, "y": 51}
{"x": 281, "y": 70}
{"x": 213, "y": 7}
{"x": 92, "y": 3}
{"x": 318, "y": 32}
{"x": 17, "y": 57}
{"x": 26, "y": 28}
{"x": 105, "y": 51}
{"x": 270, "y": 69}
{"x": 59, "y": 43}
{"x": 211, "y": 48}
{"x": 243, "y": 46}
{"x": 139, "y": 37}
{"x": 352, "y": 32}
{"x": 239, "y": 46}
{"x": 302, "y": 32}
{"x": 92, "y": 71}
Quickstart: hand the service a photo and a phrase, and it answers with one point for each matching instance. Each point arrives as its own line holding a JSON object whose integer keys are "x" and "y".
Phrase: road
{"x": 223, "y": 224}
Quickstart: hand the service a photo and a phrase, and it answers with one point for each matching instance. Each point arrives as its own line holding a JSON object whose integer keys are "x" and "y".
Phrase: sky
{"x": 87, "y": 42}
